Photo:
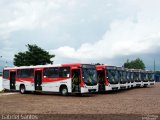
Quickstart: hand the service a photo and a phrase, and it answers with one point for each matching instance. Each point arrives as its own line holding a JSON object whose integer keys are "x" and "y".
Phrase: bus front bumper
{"x": 139, "y": 84}
{"x": 123, "y": 86}
{"x": 113, "y": 87}
{"x": 151, "y": 82}
{"x": 89, "y": 89}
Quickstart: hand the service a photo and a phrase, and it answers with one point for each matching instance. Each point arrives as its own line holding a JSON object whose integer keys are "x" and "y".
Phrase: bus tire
{"x": 22, "y": 89}
{"x": 64, "y": 91}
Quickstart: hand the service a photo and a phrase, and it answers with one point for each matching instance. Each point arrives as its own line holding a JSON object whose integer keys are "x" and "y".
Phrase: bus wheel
{"x": 64, "y": 91}
{"x": 22, "y": 89}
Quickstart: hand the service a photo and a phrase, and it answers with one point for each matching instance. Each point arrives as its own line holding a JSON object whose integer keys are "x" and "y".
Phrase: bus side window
{"x": 6, "y": 74}
{"x": 18, "y": 73}
{"x": 25, "y": 73}
{"x": 64, "y": 72}
{"x": 51, "y": 72}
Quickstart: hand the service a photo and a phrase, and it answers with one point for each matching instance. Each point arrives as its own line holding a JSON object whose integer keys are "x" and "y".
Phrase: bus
{"x": 132, "y": 78}
{"x": 151, "y": 77}
{"x": 144, "y": 76}
{"x": 107, "y": 78}
{"x": 63, "y": 78}
{"x": 137, "y": 78}
{"x": 122, "y": 77}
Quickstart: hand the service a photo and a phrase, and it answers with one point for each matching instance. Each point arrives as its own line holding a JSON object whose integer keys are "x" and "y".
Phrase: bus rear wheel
{"x": 64, "y": 91}
{"x": 22, "y": 89}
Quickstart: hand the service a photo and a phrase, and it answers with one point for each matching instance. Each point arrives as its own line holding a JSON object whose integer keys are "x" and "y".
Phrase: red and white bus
{"x": 107, "y": 78}
{"x": 65, "y": 78}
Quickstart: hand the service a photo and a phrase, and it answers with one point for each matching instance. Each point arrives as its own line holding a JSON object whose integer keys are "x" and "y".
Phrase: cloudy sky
{"x": 87, "y": 31}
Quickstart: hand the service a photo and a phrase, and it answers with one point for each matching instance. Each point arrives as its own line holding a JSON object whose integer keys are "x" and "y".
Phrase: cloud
{"x": 31, "y": 14}
{"x": 132, "y": 35}
{"x": 31, "y": 22}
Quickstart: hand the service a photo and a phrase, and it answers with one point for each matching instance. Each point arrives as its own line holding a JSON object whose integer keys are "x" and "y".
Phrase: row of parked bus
{"x": 116, "y": 78}
{"x": 74, "y": 78}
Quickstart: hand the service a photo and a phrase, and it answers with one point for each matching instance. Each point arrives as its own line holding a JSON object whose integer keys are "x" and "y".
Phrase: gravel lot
{"x": 137, "y": 103}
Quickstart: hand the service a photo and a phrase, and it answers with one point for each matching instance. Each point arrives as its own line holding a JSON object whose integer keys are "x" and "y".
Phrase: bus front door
{"x": 76, "y": 80}
{"x": 101, "y": 80}
{"x": 12, "y": 80}
{"x": 38, "y": 80}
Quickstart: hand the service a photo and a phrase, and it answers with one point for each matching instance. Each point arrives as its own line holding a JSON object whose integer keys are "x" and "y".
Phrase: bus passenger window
{"x": 6, "y": 74}
{"x": 25, "y": 73}
{"x": 64, "y": 72}
{"x": 51, "y": 72}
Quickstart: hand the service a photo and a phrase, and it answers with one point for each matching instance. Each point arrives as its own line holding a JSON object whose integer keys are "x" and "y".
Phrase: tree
{"x": 99, "y": 64}
{"x": 134, "y": 64}
{"x": 34, "y": 56}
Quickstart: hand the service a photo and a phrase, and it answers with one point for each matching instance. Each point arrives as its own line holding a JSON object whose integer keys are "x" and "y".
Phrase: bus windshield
{"x": 89, "y": 76}
{"x": 112, "y": 76}
{"x": 136, "y": 76}
{"x": 124, "y": 76}
{"x": 128, "y": 76}
{"x": 132, "y": 77}
{"x": 151, "y": 77}
{"x": 145, "y": 76}
{"x": 120, "y": 76}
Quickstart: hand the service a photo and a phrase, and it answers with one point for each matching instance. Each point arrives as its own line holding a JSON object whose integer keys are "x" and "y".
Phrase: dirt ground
{"x": 132, "y": 104}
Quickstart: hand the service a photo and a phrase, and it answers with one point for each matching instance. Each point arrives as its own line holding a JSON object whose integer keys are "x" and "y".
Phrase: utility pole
{"x": 0, "y": 65}
{"x": 6, "y": 65}
{"x": 154, "y": 65}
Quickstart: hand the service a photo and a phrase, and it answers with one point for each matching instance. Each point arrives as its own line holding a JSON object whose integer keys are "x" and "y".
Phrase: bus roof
{"x": 37, "y": 66}
{"x": 120, "y": 68}
{"x": 49, "y": 65}
{"x": 101, "y": 67}
{"x": 136, "y": 70}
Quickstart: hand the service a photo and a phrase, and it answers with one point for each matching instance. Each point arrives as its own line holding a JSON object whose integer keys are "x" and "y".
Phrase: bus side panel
{"x": 53, "y": 86}
{"x": 28, "y": 82}
{"x": 6, "y": 83}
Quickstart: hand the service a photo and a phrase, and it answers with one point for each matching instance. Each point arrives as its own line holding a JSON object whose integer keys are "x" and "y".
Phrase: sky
{"x": 85, "y": 31}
